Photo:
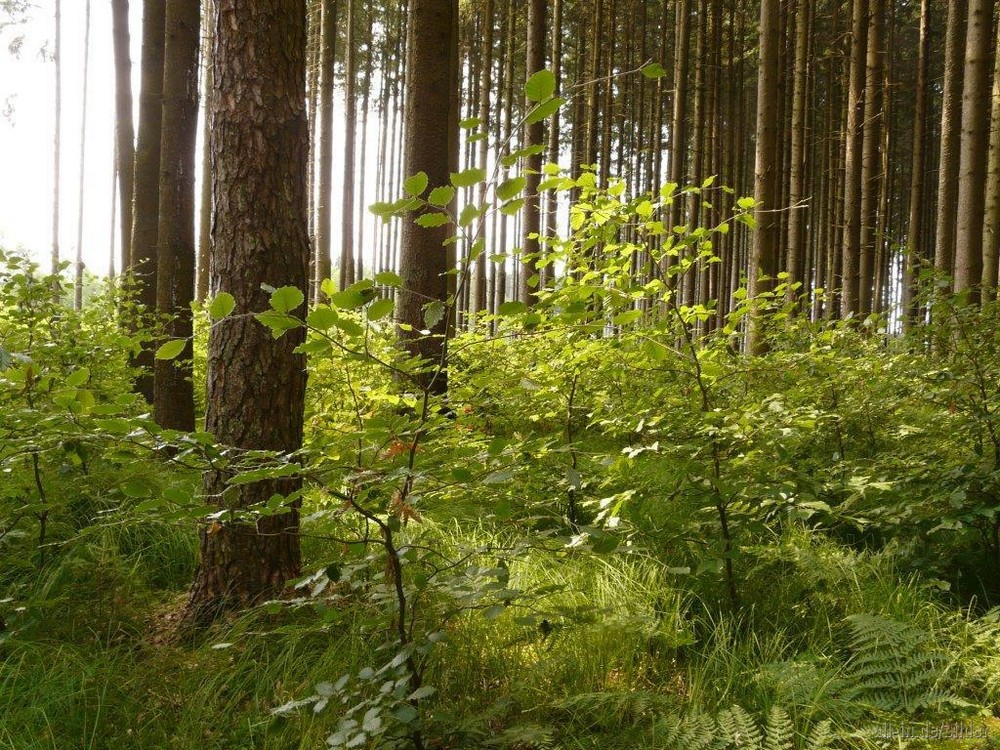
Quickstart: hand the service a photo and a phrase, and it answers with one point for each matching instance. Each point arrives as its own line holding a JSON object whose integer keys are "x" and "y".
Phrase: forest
{"x": 519, "y": 374}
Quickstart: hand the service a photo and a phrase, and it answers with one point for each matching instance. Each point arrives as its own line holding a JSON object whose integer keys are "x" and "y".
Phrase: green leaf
{"x": 349, "y": 299}
{"x": 441, "y": 196}
{"x": 544, "y": 111}
{"x": 653, "y": 70}
{"x": 433, "y": 313}
{"x": 510, "y": 208}
{"x": 470, "y": 213}
{"x": 431, "y": 220}
{"x": 322, "y": 318}
{"x": 513, "y": 307}
{"x": 416, "y": 185}
{"x": 509, "y": 188}
{"x": 223, "y": 304}
{"x": 540, "y": 86}
{"x": 380, "y": 309}
{"x": 81, "y": 376}
{"x": 468, "y": 178}
{"x": 469, "y": 123}
{"x": 388, "y": 278}
{"x": 171, "y": 349}
{"x": 278, "y": 322}
{"x": 286, "y": 299}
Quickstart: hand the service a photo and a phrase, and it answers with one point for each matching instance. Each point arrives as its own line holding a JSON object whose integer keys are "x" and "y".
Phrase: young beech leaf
{"x": 286, "y": 299}
{"x": 468, "y": 178}
{"x": 222, "y": 305}
{"x": 380, "y": 308}
{"x": 388, "y": 278}
{"x": 416, "y": 185}
{"x": 544, "y": 111}
{"x": 540, "y": 86}
{"x": 171, "y": 349}
{"x": 433, "y": 220}
{"x": 78, "y": 378}
{"x": 653, "y": 70}
{"x": 433, "y": 313}
{"x": 441, "y": 196}
{"x": 509, "y": 188}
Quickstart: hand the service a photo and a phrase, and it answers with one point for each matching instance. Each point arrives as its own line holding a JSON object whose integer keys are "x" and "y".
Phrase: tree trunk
{"x": 533, "y": 136}
{"x": 57, "y": 138}
{"x": 347, "y": 271}
{"x": 260, "y": 234}
{"x": 678, "y": 127}
{"x": 951, "y": 127}
{"x": 173, "y": 403}
{"x": 915, "y": 251}
{"x": 124, "y": 126}
{"x": 991, "y": 225}
{"x": 324, "y": 226}
{"x": 146, "y": 200}
{"x": 871, "y": 159}
{"x": 974, "y": 150}
{"x": 430, "y": 145}
{"x": 797, "y": 169}
{"x": 78, "y": 268}
{"x": 205, "y": 210}
{"x": 853, "y": 157}
{"x": 764, "y": 263}
{"x": 477, "y": 298}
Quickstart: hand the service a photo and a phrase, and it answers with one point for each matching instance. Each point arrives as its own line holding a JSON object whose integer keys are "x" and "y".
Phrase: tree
{"x": 533, "y": 133}
{"x": 124, "y": 126}
{"x": 915, "y": 249}
{"x": 328, "y": 41}
{"x": 973, "y": 149}
{"x": 431, "y": 147}
{"x": 78, "y": 266}
{"x": 348, "y": 273}
{"x": 173, "y": 389}
{"x": 146, "y": 201}
{"x": 57, "y": 137}
{"x": 260, "y": 235}
{"x": 991, "y": 225}
{"x": 764, "y": 263}
{"x": 951, "y": 126}
{"x": 205, "y": 209}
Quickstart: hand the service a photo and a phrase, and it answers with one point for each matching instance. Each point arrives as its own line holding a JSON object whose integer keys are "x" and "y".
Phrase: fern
{"x": 894, "y": 667}
{"x": 736, "y": 729}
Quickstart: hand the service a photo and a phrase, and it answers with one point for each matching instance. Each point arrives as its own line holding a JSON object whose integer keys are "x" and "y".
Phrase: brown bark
{"x": 951, "y": 127}
{"x": 146, "y": 200}
{"x": 915, "y": 250}
{"x": 56, "y": 138}
{"x": 974, "y": 149}
{"x": 324, "y": 229}
{"x": 991, "y": 225}
{"x": 124, "y": 126}
{"x": 78, "y": 266}
{"x": 173, "y": 402}
{"x": 764, "y": 262}
{"x": 347, "y": 270}
{"x": 796, "y": 266}
{"x": 260, "y": 234}
{"x": 431, "y": 141}
{"x": 533, "y": 135}
{"x": 205, "y": 210}
{"x": 871, "y": 158}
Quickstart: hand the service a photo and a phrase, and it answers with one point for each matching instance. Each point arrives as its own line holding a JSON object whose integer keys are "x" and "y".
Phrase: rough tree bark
{"x": 124, "y": 127}
{"x": 260, "y": 234}
{"x": 533, "y": 134}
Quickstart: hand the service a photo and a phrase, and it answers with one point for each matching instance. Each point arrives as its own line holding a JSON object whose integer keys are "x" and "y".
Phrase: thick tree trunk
{"x": 430, "y": 143}
{"x": 764, "y": 262}
{"x": 533, "y": 136}
{"x": 124, "y": 126}
{"x": 260, "y": 235}
{"x": 951, "y": 128}
{"x": 173, "y": 402}
{"x": 974, "y": 149}
{"x": 146, "y": 201}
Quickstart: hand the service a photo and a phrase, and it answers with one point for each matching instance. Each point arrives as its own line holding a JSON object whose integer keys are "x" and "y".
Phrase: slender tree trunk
{"x": 991, "y": 226}
{"x": 78, "y": 270}
{"x": 478, "y": 301}
{"x": 678, "y": 128}
{"x": 764, "y": 264}
{"x": 324, "y": 226}
{"x": 57, "y": 138}
{"x": 260, "y": 234}
{"x": 205, "y": 219}
{"x": 951, "y": 128}
{"x": 124, "y": 126}
{"x": 173, "y": 403}
{"x": 797, "y": 169}
{"x": 871, "y": 158}
{"x": 915, "y": 251}
{"x": 347, "y": 274}
{"x": 533, "y": 136}
{"x": 146, "y": 201}
{"x": 853, "y": 158}
{"x": 974, "y": 149}
{"x": 430, "y": 144}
